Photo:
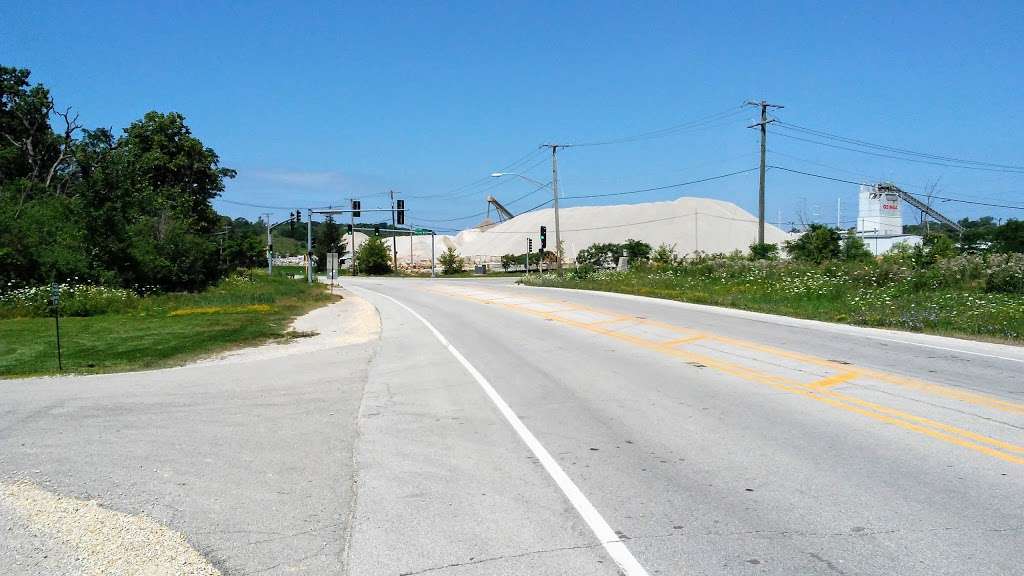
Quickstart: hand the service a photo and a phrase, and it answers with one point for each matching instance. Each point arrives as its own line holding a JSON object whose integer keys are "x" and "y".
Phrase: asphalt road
{"x": 498, "y": 429}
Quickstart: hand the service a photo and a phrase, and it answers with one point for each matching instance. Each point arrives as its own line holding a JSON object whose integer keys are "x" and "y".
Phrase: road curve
{"x": 709, "y": 442}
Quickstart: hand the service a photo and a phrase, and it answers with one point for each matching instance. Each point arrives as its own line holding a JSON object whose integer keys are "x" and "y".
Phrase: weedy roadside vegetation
{"x": 924, "y": 289}
{"x": 114, "y": 329}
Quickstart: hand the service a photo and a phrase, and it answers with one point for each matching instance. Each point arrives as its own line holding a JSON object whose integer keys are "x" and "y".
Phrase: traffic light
{"x": 355, "y": 209}
{"x": 349, "y": 226}
{"x": 401, "y": 211}
{"x": 298, "y": 216}
{"x": 529, "y": 244}
{"x": 543, "y": 237}
{"x": 376, "y": 230}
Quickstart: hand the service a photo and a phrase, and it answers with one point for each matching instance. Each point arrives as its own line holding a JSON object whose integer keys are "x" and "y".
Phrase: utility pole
{"x": 394, "y": 237}
{"x": 554, "y": 191}
{"x": 839, "y": 213}
{"x": 764, "y": 137}
{"x": 309, "y": 245}
{"x": 270, "y": 248}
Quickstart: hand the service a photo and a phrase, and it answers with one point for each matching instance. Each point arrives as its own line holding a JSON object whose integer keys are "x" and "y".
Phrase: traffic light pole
{"x": 394, "y": 238}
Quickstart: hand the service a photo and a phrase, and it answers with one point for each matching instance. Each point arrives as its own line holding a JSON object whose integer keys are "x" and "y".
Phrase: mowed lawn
{"x": 159, "y": 330}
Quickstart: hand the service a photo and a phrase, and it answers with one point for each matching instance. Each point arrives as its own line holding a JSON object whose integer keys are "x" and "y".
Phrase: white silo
{"x": 879, "y": 213}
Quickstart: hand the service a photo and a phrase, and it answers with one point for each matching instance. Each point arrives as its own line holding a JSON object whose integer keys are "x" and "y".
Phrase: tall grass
{"x": 965, "y": 295}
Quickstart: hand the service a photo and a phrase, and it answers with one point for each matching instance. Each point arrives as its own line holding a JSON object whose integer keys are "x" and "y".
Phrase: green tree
{"x": 637, "y": 250}
{"x": 508, "y": 261}
{"x": 1010, "y": 236}
{"x": 328, "y": 239}
{"x": 451, "y": 262}
{"x": 818, "y": 244}
{"x": 600, "y": 255}
{"x": 373, "y": 256}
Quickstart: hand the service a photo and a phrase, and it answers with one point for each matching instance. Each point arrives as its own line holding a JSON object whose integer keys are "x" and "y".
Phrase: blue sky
{"x": 314, "y": 103}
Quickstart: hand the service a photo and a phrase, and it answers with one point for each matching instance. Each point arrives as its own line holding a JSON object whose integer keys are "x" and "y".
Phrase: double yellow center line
{"x": 823, "y": 389}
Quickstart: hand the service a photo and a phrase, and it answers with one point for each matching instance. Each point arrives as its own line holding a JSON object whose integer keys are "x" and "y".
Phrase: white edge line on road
{"x": 602, "y": 530}
{"x": 846, "y": 329}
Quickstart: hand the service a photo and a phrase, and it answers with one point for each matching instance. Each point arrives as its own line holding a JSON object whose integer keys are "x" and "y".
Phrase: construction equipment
{"x": 916, "y": 203}
{"x": 502, "y": 212}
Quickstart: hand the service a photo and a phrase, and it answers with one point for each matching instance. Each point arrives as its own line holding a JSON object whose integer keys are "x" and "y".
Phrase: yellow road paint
{"x": 834, "y": 380}
{"x": 678, "y": 341}
{"x": 819, "y": 390}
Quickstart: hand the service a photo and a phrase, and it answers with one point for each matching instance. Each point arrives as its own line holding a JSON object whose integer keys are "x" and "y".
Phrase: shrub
{"x": 373, "y": 257}
{"x": 664, "y": 255}
{"x": 1005, "y": 273}
{"x": 854, "y": 250}
{"x": 818, "y": 244}
{"x": 508, "y": 261}
{"x": 764, "y": 251}
{"x": 600, "y": 255}
{"x": 451, "y": 262}
{"x": 637, "y": 250}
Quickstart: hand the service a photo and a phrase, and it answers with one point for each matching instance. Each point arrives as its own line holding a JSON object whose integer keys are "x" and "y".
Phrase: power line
{"x": 455, "y": 192}
{"x": 934, "y": 197}
{"x": 848, "y": 140}
{"x": 1011, "y": 170}
{"x": 720, "y": 176}
{"x": 653, "y": 189}
{"x": 703, "y": 122}
{"x": 225, "y": 200}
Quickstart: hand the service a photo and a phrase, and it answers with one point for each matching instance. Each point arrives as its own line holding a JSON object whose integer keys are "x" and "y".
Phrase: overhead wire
{"x": 933, "y": 196}
{"x": 656, "y": 188}
{"x": 858, "y": 142}
{"x": 458, "y": 191}
{"x": 1009, "y": 170}
{"x": 673, "y": 130}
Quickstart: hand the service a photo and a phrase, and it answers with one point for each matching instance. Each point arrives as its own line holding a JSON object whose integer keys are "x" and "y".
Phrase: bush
{"x": 508, "y": 261}
{"x": 373, "y": 257}
{"x": 451, "y": 262}
{"x": 854, "y": 250}
{"x": 764, "y": 251}
{"x": 600, "y": 255}
{"x": 664, "y": 255}
{"x": 637, "y": 250}
{"x": 1005, "y": 273}
{"x": 818, "y": 244}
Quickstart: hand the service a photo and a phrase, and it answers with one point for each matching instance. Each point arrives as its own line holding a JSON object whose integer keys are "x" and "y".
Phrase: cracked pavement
{"x": 747, "y": 445}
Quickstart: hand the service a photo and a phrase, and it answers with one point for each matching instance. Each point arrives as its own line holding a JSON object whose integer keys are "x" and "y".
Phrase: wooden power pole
{"x": 764, "y": 138}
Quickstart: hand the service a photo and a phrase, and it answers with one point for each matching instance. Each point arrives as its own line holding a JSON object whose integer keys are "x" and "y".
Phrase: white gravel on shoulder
{"x": 352, "y": 320}
{"x": 102, "y": 541}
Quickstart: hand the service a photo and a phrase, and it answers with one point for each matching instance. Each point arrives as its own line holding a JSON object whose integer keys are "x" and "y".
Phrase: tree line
{"x": 91, "y": 206}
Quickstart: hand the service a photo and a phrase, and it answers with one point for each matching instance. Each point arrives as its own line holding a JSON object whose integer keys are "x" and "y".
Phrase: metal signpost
{"x": 55, "y": 299}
